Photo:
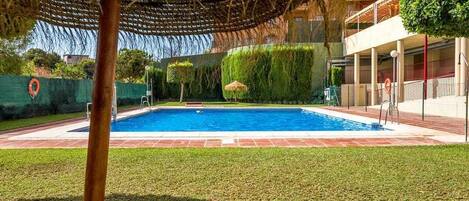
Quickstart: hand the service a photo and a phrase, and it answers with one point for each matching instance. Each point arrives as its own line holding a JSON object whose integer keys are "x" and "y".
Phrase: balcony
{"x": 373, "y": 14}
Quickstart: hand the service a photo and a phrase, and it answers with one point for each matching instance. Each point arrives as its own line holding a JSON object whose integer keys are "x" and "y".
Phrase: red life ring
{"x": 34, "y": 92}
{"x": 387, "y": 85}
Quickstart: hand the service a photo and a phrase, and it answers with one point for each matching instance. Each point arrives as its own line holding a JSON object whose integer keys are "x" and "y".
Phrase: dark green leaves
{"x": 449, "y": 18}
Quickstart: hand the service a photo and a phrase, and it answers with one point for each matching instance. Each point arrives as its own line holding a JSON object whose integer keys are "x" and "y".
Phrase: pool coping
{"x": 395, "y": 130}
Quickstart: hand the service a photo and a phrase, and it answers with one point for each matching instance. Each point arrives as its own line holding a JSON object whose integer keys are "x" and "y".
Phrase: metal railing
{"x": 371, "y": 15}
{"x": 144, "y": 101}
{"x": 413, "y": 90}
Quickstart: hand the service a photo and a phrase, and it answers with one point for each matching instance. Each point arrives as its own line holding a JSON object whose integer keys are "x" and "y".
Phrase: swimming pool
{"x": 295, "y": 119}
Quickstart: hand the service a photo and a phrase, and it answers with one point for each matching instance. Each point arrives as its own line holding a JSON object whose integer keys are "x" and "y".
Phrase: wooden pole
{"x": 98, "y": 143}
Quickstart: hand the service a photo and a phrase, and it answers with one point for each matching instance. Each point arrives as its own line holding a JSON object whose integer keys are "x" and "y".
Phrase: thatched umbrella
{"x": 236, "y": 87}
{"x": 131, "y": 22}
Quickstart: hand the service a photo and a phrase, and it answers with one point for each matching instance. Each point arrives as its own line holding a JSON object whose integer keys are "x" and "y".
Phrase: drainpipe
{"x": 425, "y": 75}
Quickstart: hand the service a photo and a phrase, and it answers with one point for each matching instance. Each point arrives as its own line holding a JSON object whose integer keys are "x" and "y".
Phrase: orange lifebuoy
{"x": 387, "y": 85}
{"x": 34, "y": 92}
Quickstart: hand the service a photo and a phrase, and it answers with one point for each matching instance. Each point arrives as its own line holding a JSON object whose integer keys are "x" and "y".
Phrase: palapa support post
{"x": 98, "y": 143}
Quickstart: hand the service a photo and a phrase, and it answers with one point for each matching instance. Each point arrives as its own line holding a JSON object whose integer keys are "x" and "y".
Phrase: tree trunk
{"x": 98, "y": 143}
{"x": 182, "y": 92}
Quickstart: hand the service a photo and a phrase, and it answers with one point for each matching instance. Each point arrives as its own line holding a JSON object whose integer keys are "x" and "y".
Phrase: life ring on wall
{"x": 33, "y": 92}
{"x": 387, "y": 85}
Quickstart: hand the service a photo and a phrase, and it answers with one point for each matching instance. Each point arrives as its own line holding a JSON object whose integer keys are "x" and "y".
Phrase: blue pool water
{"x": 236, "y": 120}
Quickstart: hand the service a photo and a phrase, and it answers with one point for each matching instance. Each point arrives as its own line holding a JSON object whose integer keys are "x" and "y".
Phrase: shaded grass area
{"x": 235, "y": 104}
{"x": 22, "y": 123}
{"x": 395, "y": 173}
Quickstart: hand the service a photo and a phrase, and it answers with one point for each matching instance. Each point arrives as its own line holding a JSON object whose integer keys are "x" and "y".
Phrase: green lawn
{"x": 235, "y": 104}
{"x": 21, "y": 123}
{"x": 396, "y": 173}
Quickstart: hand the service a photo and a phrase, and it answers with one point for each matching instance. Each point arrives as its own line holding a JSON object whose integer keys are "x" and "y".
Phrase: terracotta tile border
{"x": 216, "y": 143}
{"x": 446, "y": 124}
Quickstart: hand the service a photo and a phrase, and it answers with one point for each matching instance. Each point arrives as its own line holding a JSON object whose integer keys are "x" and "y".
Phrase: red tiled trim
{"x": 211, "y": 143}
{"x": 446, "y": 124}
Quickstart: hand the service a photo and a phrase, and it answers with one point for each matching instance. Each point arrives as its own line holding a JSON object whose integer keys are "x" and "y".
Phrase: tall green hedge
{"x": 273, "y": 74}
{"x": 436, "y": 17}
{"x": 205, "y": 85}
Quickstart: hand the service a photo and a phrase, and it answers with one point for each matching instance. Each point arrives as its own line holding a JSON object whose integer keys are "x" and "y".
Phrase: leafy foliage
{"x": 436, "y": 17}
{"x": 88, "y": 66}
{"x": 180, "y": 72}
{"x": 82, "y": 70}
{"x": 10, "y": 59}
{"x": 206, "y": 84}
{"x": 131, "y": 65}
{"x": 41, "y": 58}
{"x": 278, "y": 74}
{"x": 28, "y": 69}
{"x": 337, "y": 76}
{"x": 69, "y": 71}
{"x": 17, "y": 18}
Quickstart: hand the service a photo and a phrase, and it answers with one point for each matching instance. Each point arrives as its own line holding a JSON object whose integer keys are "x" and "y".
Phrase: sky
{"x": 159, "y": 46}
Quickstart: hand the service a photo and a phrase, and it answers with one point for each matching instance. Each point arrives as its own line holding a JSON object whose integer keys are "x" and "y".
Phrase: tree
{"x": 10, "y": 59}
{"x": 69, "y": 71}
{"x": 42, "y": 59}
{"x": 88, "y": 66}
{"x": 181, "y": 73}
{"x": 131, "y": 65}
{"x": 28, "y": 69}
{"x": 436, "y": 17}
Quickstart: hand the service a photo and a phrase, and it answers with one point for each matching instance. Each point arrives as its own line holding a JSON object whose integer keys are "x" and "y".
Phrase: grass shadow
{"x": 118, "y": 197}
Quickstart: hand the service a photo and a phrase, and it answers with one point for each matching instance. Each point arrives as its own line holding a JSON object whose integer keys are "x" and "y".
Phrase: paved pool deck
{"x": 409, "y": 133}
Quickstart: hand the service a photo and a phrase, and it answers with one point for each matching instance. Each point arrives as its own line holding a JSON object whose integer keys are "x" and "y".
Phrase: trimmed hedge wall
{"x": 205, "y": 85}
{"x": 280, "y": 73}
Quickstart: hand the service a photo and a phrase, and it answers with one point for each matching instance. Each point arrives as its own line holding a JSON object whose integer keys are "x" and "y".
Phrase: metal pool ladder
{"x": 144, "y": 101}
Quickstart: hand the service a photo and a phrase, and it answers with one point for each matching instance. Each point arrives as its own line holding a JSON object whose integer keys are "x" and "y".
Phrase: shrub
{"x": 69, "y": 71}
{"x": 181, "y": 73}
{"x": 337, "y": 76}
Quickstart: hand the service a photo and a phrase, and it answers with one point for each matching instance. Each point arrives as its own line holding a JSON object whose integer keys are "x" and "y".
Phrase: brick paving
{"x": 446, "y": 124}
{"x": 214, "y": 143}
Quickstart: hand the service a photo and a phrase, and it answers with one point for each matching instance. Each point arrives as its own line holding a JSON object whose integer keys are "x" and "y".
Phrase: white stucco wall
{"x": 382, "y": 33}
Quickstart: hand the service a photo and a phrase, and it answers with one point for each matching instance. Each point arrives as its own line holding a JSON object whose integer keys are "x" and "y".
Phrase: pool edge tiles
{"x": 394, "y": 130}
{"x": 237, "y": 120}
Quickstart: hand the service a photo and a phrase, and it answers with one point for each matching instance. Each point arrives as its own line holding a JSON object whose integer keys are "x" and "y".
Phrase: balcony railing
{"x": 371, "y": 15}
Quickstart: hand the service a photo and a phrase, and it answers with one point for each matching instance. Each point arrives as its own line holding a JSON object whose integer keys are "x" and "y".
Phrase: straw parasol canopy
{"x": 236, "y": 87}
{"x": 185, "y": 24}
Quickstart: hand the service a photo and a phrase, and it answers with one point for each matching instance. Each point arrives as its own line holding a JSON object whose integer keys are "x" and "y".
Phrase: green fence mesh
{"x": 55, "y": 96}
